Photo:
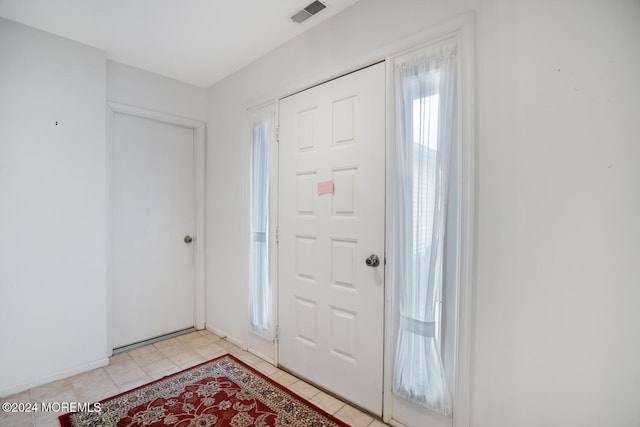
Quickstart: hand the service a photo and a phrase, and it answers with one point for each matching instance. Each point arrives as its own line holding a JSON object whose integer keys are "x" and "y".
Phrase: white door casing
{"x": 331, "y": 304}
{"x": 154, "y": 204}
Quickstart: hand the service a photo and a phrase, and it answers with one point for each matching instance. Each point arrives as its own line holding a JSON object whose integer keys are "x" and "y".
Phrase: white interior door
{"x": 153, "y": 211}
{"x": 331, "y": 302}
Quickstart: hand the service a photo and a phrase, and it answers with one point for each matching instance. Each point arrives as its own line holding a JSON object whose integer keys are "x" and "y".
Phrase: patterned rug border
{"x": 65, "y": 418}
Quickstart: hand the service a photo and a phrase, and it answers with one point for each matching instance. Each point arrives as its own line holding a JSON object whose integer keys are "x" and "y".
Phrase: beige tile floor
{"x": 142, "y": 365}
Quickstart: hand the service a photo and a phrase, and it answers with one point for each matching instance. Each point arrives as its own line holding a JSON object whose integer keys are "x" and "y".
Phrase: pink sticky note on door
{"x": 325, "y": 187}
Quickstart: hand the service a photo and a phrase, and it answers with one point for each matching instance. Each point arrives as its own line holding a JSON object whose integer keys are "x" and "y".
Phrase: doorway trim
{"x": 463, "y": 28}
{"x": 199, "y": 132}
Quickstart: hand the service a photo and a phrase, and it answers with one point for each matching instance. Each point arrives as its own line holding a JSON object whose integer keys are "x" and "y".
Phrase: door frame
{"x": 199, "y": 129}
{"x": 463, "y": 28}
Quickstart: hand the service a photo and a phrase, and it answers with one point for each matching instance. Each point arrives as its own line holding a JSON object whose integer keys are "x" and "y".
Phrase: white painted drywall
{"x": 557, "y": 331}
{"x": 52, "y": 207}
{"x": 140, "y": 88}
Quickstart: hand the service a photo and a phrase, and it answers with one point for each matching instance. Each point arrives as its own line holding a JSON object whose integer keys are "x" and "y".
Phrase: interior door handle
{"x": 373, "y": 260}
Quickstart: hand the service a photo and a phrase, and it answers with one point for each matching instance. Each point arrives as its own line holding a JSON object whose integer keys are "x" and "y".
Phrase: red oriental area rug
{"x": 223, "y": 392}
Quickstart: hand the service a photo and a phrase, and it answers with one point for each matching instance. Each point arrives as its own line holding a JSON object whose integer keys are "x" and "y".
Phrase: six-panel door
{"x": 331, "y": 219}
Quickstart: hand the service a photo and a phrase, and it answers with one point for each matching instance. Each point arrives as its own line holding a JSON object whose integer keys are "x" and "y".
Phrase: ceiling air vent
{"x": 308, "y": 12}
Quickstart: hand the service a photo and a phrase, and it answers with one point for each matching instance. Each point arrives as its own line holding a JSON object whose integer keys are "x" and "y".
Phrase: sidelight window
{"x": 260, "y": 287}
{"x": 421, "y": 184}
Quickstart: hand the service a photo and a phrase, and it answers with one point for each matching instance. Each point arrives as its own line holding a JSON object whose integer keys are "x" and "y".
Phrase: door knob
{"x": 373, "y": 260}
{"x": 188, "y": 239}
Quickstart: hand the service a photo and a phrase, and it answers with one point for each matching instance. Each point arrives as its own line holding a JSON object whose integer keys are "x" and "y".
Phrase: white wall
{"x": 139, "y": 88}
{"x": 53, "y": 302}
{"x": 557, "y": 332}
{"x": 557, "y": 325}
{"x": 52, "y": 207}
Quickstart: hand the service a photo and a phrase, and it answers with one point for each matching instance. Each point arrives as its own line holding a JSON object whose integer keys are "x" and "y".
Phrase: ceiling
{"x": 194, "y": 41}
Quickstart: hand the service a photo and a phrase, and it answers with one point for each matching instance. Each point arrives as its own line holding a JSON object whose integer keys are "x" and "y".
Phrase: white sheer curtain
{"x": 425, "y": 97}
{"x": 260, "y": 293}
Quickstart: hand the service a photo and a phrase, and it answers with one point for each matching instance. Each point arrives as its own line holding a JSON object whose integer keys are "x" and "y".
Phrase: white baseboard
{"x": 18, "y": 388}
{"x": 223, "y": 334}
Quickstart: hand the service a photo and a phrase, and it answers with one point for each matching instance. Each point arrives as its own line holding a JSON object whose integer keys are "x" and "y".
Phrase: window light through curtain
{"x": 260, "y": 291}
{"x": 425, "y": 96}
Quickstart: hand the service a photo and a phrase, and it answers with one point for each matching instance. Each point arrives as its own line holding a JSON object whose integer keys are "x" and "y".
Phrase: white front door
{"x": 332, "y": 213}
{"x": 153, "y": 211}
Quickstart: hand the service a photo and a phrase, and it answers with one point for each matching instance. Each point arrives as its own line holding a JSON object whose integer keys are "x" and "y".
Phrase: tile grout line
{"x": 188, "y": 345}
